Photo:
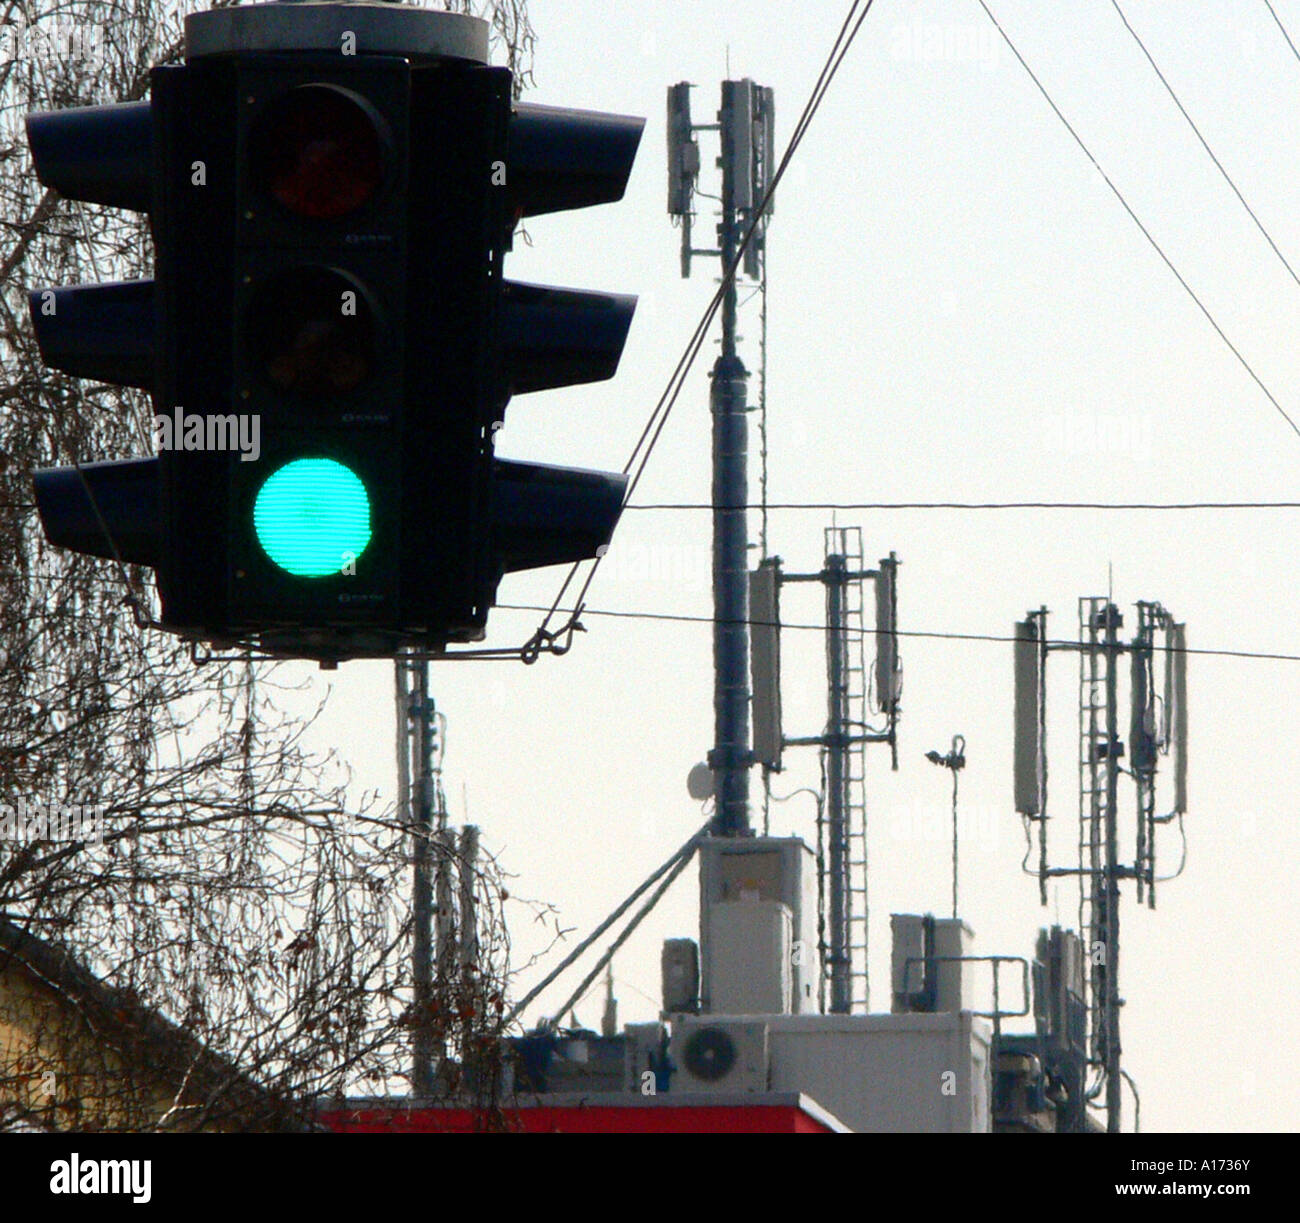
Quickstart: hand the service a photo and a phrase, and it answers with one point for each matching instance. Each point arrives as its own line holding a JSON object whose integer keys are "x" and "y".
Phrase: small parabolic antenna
{"x": 699, "y": 782}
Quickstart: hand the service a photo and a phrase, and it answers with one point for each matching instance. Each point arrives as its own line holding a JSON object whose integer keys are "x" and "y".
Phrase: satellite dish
{"x": 699, "y": 783}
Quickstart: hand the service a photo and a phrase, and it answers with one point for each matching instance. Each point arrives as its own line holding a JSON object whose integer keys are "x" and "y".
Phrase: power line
{"x": 667, "y": 401}
{"x": 832, "y": 506}
{"x": 1281, "y": 27}
{"x": 920, "y": 634}
{"x": 1146, "y": 233}
{"x": 984, "y": 505}
{"x": 658, "y": 418}
{"x": 1204, "y": 143}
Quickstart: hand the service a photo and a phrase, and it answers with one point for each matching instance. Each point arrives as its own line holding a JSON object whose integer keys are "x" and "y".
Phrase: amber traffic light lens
{"x": 319, "y": 152}
{"x": 313, "y": 333}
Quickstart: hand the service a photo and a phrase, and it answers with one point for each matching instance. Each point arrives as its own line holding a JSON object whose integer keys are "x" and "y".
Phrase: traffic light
{"x": 283, "y": 240}
{"x": 330, "y": 342}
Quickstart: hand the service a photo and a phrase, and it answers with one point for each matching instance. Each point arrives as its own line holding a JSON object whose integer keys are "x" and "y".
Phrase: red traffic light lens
{"x": 312, "y": 332}
{"x": 318, "y": 151}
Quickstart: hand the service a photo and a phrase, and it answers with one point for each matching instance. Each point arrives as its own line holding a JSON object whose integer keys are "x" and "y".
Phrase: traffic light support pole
{"x": 419, "y": 743}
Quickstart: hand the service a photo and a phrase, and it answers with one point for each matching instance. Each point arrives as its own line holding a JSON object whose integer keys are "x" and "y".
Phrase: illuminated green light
{"x": 312, "y": 518}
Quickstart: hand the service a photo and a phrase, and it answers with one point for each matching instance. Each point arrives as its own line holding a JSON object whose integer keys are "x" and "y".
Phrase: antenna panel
{"x": 888, "y": 673}
{"x": 738, "y": 140}
{"x": 1178, "y": 658}
{"x": 1142, "y": 736}
{"x": 1028, "y": 726}
{"x": 764, "y": 167}
{"x": 765, "y": 662}
{"x": 683, "y": 151}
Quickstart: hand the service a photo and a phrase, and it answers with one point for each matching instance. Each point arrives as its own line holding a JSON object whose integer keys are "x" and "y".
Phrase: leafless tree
{"x": 237, "y": 937}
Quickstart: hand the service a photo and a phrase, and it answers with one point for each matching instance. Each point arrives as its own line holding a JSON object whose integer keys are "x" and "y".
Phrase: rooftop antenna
{"x": 745, "y": 123}
{"x": 1157, "y": 727}
{"x": 609, "y": 1017}
{"x": 955, "y": 760}
{"x": 842, "y": 835}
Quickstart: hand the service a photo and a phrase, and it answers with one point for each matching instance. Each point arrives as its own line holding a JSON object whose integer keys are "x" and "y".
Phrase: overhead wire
{"x": 921, "y": 634}
{"x": 658, "y": 419}
{"x": 1182, "y": 861}
{"x": 824, "y": 506}
{"x": 1281, "y": 27}
{"x": 1146, "y": 233}
{"x": 954, "y": 506}
{"x": 1205, "y": 143}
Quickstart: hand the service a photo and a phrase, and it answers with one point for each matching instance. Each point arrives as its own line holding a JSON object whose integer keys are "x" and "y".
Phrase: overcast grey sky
{"x": 960, "y": 309}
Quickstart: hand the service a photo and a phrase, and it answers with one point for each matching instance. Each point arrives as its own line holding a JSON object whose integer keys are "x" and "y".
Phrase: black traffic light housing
{"x": 282, "y": 240}
{"x": 329, "y": 339}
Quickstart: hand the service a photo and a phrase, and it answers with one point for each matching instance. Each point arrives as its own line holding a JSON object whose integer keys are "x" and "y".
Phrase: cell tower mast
{"x": 745, "y": 123}
{"x": 1157, "y": 726}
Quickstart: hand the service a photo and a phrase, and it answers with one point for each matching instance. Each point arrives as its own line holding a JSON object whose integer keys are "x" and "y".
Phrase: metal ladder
{"x": 846, "y": 542}
{"x": 1093, "y": 667}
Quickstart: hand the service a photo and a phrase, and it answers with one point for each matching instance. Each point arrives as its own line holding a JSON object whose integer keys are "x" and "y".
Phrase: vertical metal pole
{"x": 468, "y": 866}
{"x": 444, "y": 904}
{"x": 838, "y": 960}
{"x": 1042, "y": 751}
{"x": 1110, "y": 882}
{"x": 954, "y": 874}
{"x": 730, "y": 757}
{"x": 420, "y": 715}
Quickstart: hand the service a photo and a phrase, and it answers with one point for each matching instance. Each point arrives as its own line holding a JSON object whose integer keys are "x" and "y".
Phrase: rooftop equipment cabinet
{"x": 744, "y": 882}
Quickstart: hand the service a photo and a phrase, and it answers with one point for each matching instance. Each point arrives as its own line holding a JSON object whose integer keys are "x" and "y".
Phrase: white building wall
{"x": 913, "y": 1073}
